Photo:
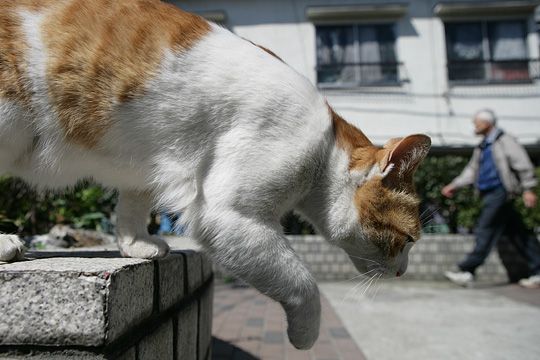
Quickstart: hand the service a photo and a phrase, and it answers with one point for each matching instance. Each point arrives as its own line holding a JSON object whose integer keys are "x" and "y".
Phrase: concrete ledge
{"x": 99, "y": 305}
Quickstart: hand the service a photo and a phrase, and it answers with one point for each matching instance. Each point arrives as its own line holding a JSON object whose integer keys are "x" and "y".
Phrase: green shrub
{"x": 461, "y": 211}
{"x": 25, "y": 211}
{"x": 531, "y": 217}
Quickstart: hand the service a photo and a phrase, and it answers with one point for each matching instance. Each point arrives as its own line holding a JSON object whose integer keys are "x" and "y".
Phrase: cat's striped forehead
{"x": 99, "y": 54}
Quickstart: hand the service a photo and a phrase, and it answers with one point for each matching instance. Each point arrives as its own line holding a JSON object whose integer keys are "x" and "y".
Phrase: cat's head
{"x": 385, "y": 204}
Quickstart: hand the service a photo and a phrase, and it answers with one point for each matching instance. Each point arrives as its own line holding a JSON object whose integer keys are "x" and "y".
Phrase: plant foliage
{"x": 460, "y": 212}
{"x": 25, "y": 211}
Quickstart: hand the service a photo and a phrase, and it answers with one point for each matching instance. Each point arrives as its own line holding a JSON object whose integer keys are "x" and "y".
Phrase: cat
{"x": 179, "y": 113}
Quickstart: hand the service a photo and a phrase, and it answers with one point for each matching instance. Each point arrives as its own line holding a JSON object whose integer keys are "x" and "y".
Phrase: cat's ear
{"x": 401, "y": 157}
{"x": 383, "y": 155}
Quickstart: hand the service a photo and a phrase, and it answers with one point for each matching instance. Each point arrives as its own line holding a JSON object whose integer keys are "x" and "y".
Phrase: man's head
{"x": 484, "y": 120}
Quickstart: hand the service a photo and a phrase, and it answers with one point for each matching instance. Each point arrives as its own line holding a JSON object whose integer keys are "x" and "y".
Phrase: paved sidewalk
{"x": 437, "y": 320}
{"x": 249, "y": 326}
{"x": 393, "y": 320}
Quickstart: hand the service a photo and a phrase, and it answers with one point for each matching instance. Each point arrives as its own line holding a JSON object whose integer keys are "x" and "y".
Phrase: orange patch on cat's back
{"x": 352, "y": 140}
{"x": 347, "y": 136}
{"x": 266, "y": 50}
{"x": 102, "y": 53}
{"x": 270, "y": 52}
{"x": 13, "y": 80}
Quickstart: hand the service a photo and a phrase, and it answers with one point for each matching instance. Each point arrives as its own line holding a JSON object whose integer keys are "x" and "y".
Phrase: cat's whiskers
{"x": 429, "y": 216}
{"x": 351, "y": 293}
{"x": 360, "y": 283}
{"x": 357, "y": 276}
{"x": 371, "y": 279}
{"x": 364, "y": 275}
{"x": 379, "y": 284}
{"x": 365, "y": 286}
{"x": 361, "y": 258}
{"x": 423, "y": 222}
{"x": 424, "y": 212}
{"x": 362, "y": 286}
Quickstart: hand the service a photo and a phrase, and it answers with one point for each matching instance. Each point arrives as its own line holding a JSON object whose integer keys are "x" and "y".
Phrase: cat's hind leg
{"x": 256, "y": 251}
{"x": 132, "y": 213}
{"x": 11, "y": 248}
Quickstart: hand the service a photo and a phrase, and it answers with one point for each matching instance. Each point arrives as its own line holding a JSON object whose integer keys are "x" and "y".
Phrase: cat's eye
{"x": 410, "y": 241}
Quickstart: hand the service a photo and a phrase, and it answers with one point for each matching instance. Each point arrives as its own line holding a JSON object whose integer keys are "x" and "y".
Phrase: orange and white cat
{"x": 179, "y": 113}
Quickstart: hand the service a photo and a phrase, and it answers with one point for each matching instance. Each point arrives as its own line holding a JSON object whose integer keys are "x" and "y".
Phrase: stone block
{"x": 130, "y": 354}
{"x": 187, "y": 332}
{"x": 73, "y": 301}
{"x": 205, "y": 323}
{"x": 206, "y": 267}
{"x": 67, "y": 354}
{"x": 171, "y": 280}
{"x": 159, "y": 344}
{"x": 130, "y": 299}
{"x": 194, "y": 266}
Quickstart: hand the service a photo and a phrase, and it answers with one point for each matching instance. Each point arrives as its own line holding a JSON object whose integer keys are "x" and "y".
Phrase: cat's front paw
{"x": 304, "y": 322}
{"x": 303, "y": 336}
{"x": 151, "y": 247}
{"x": 11, "y": 248}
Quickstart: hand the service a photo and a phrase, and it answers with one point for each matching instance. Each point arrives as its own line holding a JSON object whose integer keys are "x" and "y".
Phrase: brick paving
{"x": 249, "y": 326}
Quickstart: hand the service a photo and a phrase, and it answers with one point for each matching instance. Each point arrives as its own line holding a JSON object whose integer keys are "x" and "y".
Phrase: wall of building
{"x": 427, "y": 103}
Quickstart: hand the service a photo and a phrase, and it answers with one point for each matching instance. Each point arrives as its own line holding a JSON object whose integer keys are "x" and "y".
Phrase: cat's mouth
{"x": 375, "y": 264}
{"x": 368, "y": 267}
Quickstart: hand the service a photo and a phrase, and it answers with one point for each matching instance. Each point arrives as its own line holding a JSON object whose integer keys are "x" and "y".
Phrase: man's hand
{"x": 448, "y": 190}
{"x": 529, "y": 199}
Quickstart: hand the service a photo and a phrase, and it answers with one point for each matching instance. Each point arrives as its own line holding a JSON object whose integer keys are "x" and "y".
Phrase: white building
{"x": 398, "y": 67}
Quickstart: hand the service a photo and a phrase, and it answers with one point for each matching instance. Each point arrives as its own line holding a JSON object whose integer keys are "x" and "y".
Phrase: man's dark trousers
{"x": 499, "y": 216}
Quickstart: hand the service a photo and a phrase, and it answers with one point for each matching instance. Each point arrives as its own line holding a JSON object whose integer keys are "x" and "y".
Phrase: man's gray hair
{"x": 486, "y": 115}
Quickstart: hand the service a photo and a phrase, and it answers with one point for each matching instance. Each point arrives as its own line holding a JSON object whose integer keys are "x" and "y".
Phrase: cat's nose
{"x": 402, "y": 269}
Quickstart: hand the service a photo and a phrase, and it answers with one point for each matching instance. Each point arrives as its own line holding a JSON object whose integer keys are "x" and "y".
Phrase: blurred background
{"x": 391, "y": 68}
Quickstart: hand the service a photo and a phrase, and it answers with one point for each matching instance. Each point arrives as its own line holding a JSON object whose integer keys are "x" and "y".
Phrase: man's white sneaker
{"x": 532, "y": 282}
{"x": 461, "y": 278}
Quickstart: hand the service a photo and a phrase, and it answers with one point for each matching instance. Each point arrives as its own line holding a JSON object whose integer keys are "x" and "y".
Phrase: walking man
{"x": 500, "y": 170}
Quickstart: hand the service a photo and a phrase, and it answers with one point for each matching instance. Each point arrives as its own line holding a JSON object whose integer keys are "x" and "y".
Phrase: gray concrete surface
{"x": 72, "y": 301}
{"x": 422, "y": 320}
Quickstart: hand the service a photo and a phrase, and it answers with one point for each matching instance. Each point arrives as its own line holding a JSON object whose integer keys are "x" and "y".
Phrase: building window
{"x": 356, "y": 55}
{"x": 488, "y": 51}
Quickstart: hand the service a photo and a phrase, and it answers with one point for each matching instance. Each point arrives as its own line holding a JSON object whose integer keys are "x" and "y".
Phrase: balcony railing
{"x": 493, "y": 72}
{"x": 360, "y": 74}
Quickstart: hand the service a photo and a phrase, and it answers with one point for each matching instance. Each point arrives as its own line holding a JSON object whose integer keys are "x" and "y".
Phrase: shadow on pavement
{"x": 222, "y": 350}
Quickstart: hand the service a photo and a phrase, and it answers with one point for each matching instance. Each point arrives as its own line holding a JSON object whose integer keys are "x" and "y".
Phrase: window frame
{"x": 358, "y": 83}
{"x": 487, "y": 57}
